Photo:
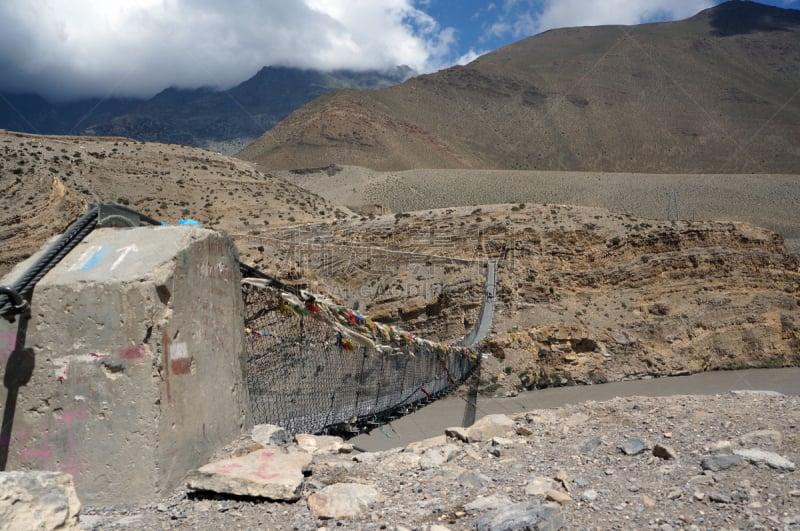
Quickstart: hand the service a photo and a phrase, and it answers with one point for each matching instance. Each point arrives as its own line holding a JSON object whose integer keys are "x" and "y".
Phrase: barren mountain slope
{"x": 584, "y": 295}
{"x": 770, "y": 201}
{"x": 47, "y": 182}
{"x": 715, "y": 93}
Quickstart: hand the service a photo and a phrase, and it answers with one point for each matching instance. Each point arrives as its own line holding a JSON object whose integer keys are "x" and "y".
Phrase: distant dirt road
{"x": 770, "y": 201}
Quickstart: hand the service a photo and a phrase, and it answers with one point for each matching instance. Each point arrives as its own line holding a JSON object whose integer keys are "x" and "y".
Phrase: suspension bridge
{"x": 312, "y": 366}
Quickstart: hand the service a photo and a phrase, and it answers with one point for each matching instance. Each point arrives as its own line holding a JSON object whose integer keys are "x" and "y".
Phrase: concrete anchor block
{"x": 136, "y": 340}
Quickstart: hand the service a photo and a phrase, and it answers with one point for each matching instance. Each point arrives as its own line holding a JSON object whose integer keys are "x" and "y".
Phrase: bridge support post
{"x": 133, "y": 362}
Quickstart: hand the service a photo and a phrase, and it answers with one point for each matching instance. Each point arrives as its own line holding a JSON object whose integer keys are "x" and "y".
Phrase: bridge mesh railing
{"x": 315, "y": 368}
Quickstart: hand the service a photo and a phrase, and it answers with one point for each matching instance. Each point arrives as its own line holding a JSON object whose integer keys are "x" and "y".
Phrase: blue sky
{"x": 64, "y": 49}
{"x": 484, "y": 26}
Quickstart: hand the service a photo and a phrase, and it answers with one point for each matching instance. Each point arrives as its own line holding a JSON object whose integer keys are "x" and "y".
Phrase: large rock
{"x": 484, "y": 429}
{"x": 530, "y": 515}
{"x": 771, "y": 459}
{"x": 487, "y": 503}
{"x": 664, "y": 452}
{"x": 267, "y": 473}
{"x": 270, "y": 435}
{"x": 539, "y": 486}
{"x": 425, "y": 444}
{"x": 342, "y": 500}
{"x": 319, "y": 444}
{"x": 633, "y": 446}
{"x": 38, "y": 500}
{"x": 720, "y": 462}
{"x": 435, "y": 457}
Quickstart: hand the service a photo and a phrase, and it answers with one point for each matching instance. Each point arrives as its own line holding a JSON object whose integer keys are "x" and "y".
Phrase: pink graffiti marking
{"x": 263, "y": 470}
{"x": 71, "y": 416}
{"x": 8, "y": 343}
{"x": 73, "y": 468}
{"x": 69, "y": 419}
{"x": 36, "y": 453}
{"x": 20, "y": 438}
{"x": 228, "y": 469}
{"x": 133, "y": 353}
{"x": 42, "y": 452}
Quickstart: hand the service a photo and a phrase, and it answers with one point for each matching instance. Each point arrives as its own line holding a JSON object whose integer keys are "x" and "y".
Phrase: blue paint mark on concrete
{"x": 96, "y": 258}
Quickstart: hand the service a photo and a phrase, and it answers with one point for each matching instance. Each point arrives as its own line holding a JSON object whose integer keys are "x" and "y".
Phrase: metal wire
{"x": 71, "y": 237}
{"x": 300, "y": 373}
{"x": 301, "y": 378}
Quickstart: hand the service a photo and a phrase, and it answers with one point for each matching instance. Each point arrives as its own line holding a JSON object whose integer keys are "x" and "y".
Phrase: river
{"x": 432, "y": 419}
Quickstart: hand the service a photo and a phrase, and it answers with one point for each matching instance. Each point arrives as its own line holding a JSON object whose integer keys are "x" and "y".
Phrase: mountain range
{"x": 222, "y": 120}
{"x": 715, "y": 93}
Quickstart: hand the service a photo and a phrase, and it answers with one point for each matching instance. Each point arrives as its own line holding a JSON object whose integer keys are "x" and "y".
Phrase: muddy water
{"x": 434, "y": 418}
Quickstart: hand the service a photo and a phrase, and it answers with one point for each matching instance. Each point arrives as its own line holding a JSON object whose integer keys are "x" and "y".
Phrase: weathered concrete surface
{"x": 137, "y": 352}
{"x": 38, "y": 500}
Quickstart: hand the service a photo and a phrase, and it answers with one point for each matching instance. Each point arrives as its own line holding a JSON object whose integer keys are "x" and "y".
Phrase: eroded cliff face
{"x": 583, "y": 295}
{"x": 653, "y": 300}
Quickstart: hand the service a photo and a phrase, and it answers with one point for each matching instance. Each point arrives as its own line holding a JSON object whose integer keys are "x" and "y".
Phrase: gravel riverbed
{"x": 687, "y": 462}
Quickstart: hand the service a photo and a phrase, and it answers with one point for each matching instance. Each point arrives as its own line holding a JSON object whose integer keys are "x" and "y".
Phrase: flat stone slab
{"x": 771, "y": 459}
{"x": 526, "y": 515}
{"x": 267, "y": 473}
{"x": 633, "y": 446}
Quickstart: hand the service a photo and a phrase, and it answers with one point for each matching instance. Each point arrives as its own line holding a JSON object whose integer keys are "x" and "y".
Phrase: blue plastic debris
{"x": 192, "y": 222}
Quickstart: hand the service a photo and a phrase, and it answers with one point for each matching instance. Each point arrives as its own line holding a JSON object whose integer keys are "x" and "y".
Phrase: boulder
{"x": 270, "y": 435}
{"x": 319, "y": 444}
{"x": 720, "y": 462}
{"x": 38, "y": 500}
{"x": 267, "y": 473}
{"x": 771, "y": 459}
{"x": 663, "y": 451}
{"x": 526, "y": 515}
{"x": 342, "y": 500}
{"x": 484, "y": 429}
{"x": 633, "y": 446}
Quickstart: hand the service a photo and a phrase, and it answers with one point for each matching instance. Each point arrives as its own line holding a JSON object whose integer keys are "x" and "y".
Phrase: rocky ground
{"x": 585, "y": 294}
{"x": 47, "y": 182}
{"x": 684, "y": 462}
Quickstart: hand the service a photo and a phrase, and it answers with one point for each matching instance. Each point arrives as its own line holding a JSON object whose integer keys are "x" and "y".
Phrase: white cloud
{"x": 470, "y": 56}
{"x": 137, "y": 47}
{"x": 523, "y": 18}
{"x": 594, "y": 13}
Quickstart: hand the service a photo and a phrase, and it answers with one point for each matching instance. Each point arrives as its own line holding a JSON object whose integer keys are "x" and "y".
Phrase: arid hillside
{"x": 769, "y": 201}
{"x": 585, "y": 294}
{"x": 715, "y": 93}
{"x": 46, "y": 182}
